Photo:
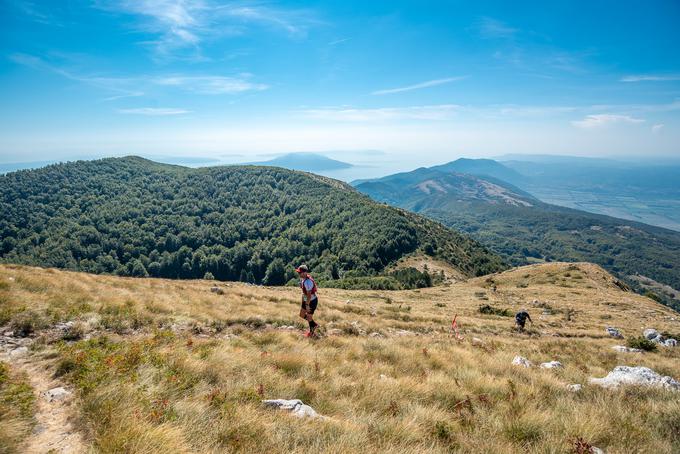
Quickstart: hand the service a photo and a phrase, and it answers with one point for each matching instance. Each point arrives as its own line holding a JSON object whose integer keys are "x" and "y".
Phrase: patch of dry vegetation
{"x": 17, "y": 406}
{"x": 169, "y": 366}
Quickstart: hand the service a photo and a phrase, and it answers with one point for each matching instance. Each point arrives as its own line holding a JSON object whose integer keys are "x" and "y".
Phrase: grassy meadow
{"x": 171, "y": 366}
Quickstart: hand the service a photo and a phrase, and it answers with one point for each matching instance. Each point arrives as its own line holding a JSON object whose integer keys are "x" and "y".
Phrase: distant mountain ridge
{"x": 523, "y": 230}
{"x": 307, "y": 162}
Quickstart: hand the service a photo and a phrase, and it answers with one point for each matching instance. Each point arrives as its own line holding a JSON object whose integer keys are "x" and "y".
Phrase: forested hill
{"x": 135, "y": 217}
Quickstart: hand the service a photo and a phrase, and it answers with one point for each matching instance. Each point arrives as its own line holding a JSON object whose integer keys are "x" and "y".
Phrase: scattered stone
{"x": 521, "y": 361}
{"x": 656, "y": 337}
{"x": 644, "y": 376}
{"x": 575, "y": 387}
{"x": 596, "y": 450}
{"x": 56, "y": 394}
{"x": 295, "y": 406}
{"x": 8, "y": 333}
{"x": 63, "y": 326}
{"x": 383, "y": 377}
{"x": 404, "y": 332}
{"x": 375, "y": 334}
{"x": 334, "y": 332}
{"x": 552, "y": 365}
{"x": 217, "y": 290}
{"x": 476, "y": 341}
{"x": 18, "y": 352}
{"x": 670, "y": 342}
{"x": 624, "y": 349}
{"x": 348, "y": 302}
{"x": 359, "y": 329}
{"x": 287, "y": 327}
{"x": 652, "y": 335}
{"x": 613, "y": 332}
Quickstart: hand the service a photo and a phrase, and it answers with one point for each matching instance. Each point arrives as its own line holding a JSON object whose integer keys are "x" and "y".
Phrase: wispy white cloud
{"x": 650, "y": 78}
{"x": 489, "y": 27}
{"x": 657, "y": 128}
{"x": 429, "y": 83}
{"x": 139, "y": 85}
{"x": 212, "y": 85}
{"x": 433, "y": 112}
{"x": 182, "y": 24}
{"x": 154, "y": 111}
{"x": 600, "y": 120}
{"x": 338, "y": 41}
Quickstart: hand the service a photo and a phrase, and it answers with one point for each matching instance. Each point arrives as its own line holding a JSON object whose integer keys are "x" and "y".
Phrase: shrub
{"x": 490, "y": 310}
{"x": 642, "y": 343}
{"x": 25, "y": 323}
{"x": 208, "y": 276}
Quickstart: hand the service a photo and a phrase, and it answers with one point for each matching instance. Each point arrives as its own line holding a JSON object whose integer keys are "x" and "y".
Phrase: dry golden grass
{"x": 172, "y": 367}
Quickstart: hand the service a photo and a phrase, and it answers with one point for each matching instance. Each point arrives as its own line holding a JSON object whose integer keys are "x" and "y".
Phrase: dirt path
{"x": 54, "y": 431}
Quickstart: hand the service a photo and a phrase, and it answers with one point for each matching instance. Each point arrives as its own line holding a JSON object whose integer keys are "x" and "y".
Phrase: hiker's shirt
{"x": 308, "y": 286}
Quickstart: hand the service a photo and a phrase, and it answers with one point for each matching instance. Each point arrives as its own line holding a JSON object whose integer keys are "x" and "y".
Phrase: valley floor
{"x": 179, "y": 366}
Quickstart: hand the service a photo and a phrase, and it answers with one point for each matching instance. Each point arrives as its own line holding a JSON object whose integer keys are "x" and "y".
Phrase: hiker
{"x": 309, "y": 298}
{"x": 521, "y": 318}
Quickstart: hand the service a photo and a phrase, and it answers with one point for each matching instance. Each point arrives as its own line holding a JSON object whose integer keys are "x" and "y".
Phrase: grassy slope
{"x": 173, "y": 367}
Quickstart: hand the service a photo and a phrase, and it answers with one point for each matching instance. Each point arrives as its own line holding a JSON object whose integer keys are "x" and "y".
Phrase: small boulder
{"x": 217, "y": 290}
{"x": 334, "y": 332}
{"x": 56, "y": 394}
{"x": 552, "y": 365}
{"x": 643, "y": 376}
{"x": 624, "y": 349}
{"x": 375, "y": 334}
{"x": 613, "y": 332}
{"x": 652, "y": 335}
{"x": 18, "y": 352}
{"x": 670, "y": 342}
{"x": 576, "y": 387}
{"x": 294, "y": 406}
{"x": 521, "y": 361}
{"x": 477, "y": 342}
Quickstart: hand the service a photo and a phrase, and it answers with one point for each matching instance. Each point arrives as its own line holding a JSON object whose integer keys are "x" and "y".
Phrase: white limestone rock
{"x": 56, "y": 394}
{"x": 552, "y": 365}
{"x": 652, "y": 335}
{"x": 294, "y": 406}
{"x": 614, "y": 332}
{"x": 521, "y": 361}
{"x": 642, "y": 376}
{"x": 576, "y": 387}
{"x": 624, "y": 349}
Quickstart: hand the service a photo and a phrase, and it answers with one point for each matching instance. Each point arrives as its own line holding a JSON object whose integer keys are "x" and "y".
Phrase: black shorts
{"x": 312, "y": 305}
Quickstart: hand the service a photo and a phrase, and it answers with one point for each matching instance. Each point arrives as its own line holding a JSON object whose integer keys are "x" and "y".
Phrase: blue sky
{"x": 423, "y": 82}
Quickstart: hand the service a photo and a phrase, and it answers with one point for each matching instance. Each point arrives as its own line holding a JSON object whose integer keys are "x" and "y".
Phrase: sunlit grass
{"x": 173, "y": 367}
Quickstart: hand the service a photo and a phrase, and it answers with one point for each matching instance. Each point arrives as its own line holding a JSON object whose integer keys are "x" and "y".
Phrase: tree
{"x": 275, "y": 274}
{"x": 138, "y": 269}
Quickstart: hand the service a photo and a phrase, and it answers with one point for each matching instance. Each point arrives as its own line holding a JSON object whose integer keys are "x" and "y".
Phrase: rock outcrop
{"x": 641, "y": 376}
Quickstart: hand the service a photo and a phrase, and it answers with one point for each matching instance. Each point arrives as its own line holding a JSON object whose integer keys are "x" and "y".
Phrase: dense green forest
{"x": 134, "y": 217}
{"x": 524, "y": 230}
